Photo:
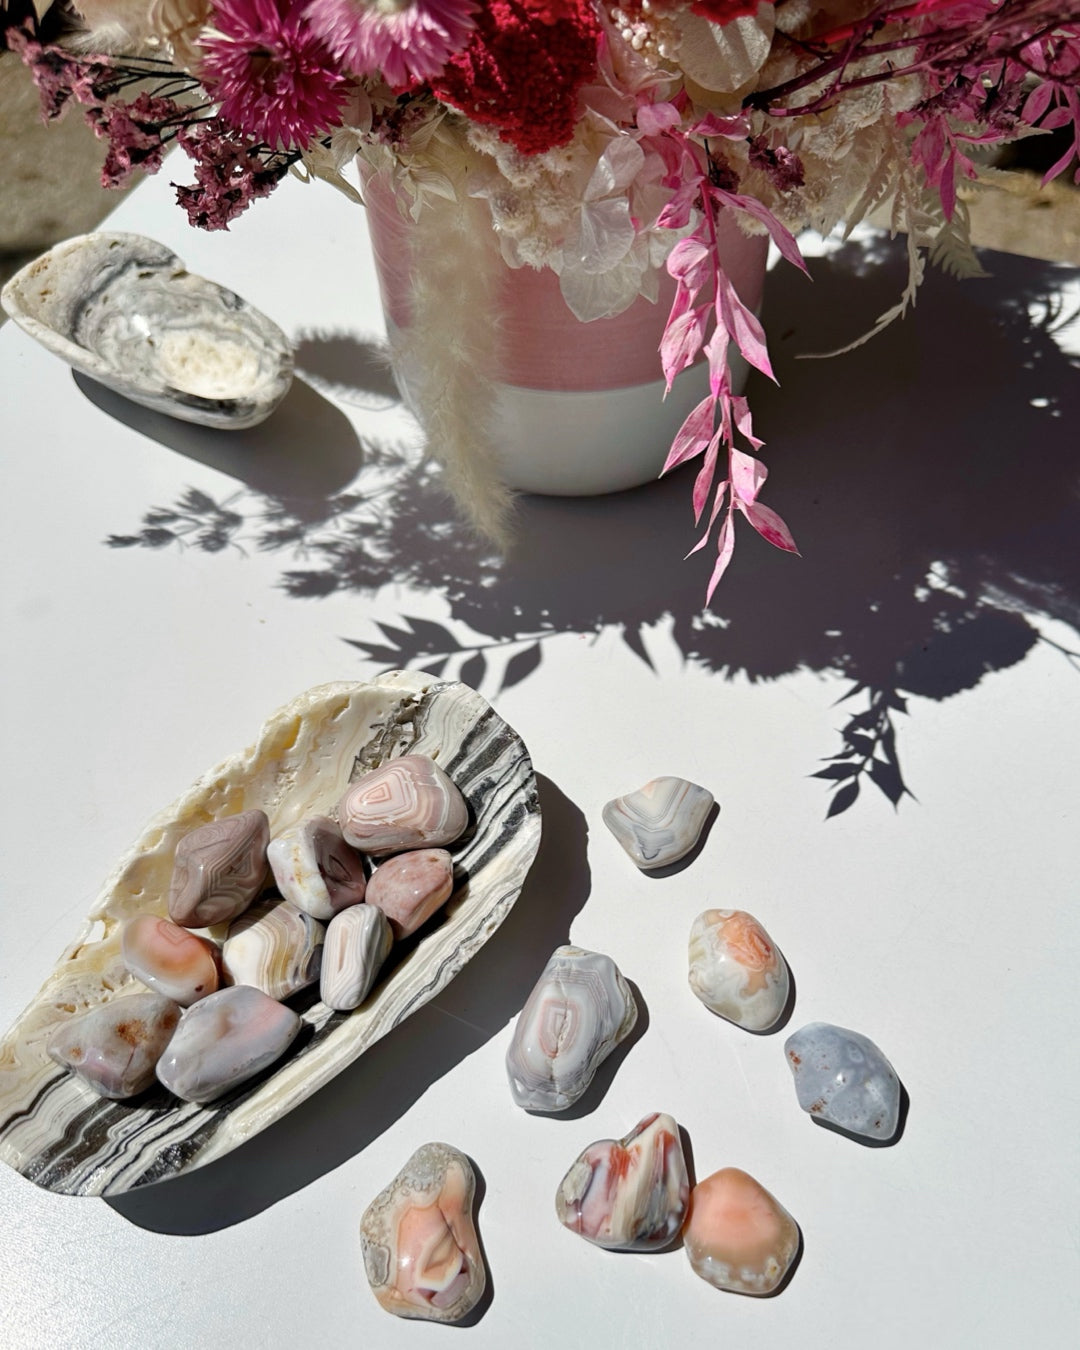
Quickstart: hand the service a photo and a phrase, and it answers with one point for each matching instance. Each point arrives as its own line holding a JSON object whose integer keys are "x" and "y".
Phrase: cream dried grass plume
{"x": 450, "y": 347}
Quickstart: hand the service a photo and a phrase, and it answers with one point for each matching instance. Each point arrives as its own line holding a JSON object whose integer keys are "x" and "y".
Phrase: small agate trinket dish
{"x": 628, "y": 1194}
{"x": 297, "y": 765}
{"x": 124, "y": 310}
{"x": 421, "y": 1251}
{"x": 660, "y": 823}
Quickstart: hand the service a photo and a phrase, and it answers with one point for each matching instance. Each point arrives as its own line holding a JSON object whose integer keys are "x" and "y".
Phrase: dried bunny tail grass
{"x": 179, "y": 24}
{"x": 117, "y": 27}
{"x": 450, "y": 345}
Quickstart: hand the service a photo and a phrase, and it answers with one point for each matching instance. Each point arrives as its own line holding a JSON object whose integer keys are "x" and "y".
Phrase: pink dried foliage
{"x": 704, "y": 295}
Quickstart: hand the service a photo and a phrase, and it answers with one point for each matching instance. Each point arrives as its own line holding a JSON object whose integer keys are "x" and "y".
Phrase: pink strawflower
{"x": 272, "y": 74}
{"x": 406, "y": 41}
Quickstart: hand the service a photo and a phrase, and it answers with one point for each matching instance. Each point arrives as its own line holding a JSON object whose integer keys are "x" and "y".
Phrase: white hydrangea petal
{"x": 601, "y": 236}
{"x": 616, "y": 169}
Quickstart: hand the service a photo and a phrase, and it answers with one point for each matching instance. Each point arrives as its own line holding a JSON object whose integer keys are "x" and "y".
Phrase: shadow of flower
{"x": 930, "y": 477}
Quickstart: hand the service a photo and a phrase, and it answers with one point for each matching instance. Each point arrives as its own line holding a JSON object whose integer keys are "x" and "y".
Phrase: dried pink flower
{"x": 273, "y": 75}
{"x": 406, "y": 41}
{"x": 135, "y": 132}
{"x": 229, "y": 174}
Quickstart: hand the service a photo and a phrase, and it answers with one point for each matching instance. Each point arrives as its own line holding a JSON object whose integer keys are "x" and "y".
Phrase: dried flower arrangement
{"x": 604, "y": 138}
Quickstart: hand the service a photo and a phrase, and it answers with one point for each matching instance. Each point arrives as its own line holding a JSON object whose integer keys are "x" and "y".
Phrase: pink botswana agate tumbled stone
{"x": 219, "y": 869}
{"x": 407, "y": 803}
{"x": 629, "y": 1194}
{"x": 316, "y": 869}
{"x": 169, "y": 959}
{"x": 115, "y": 1047}
{"x": 738, "y": 1237}
{"x": 223, "y": 1040}
{"x": 421, "y": 1250}
{"x": 411, "y": 887}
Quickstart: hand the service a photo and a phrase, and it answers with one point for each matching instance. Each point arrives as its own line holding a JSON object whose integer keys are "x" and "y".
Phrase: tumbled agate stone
{"x": 223, "y": 1040}
{"x": 410, "y": 887}
{"x": 736, "y": 971}
{"x": 114, "y": 1047}
{"x": 843, "y": 1078}
{"x": 661, "y": 822}
{"x": 739, "y": 1237}
{"x": 358, "y": 941}
{"x": 316, "y": 869}
{"x": 407, "y": 803}
{"x": 628, "y": 1194}
{"x": 421, "y": 1251}
{"x": 275, "y": 947}
{"x": 169, "y": 959}
{"x": 219, "y": 869}
{"x": 579, "y": 1011}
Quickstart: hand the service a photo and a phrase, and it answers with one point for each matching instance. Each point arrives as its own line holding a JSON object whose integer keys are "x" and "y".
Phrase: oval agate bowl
{"x": 57, "y": 1133}
{"x": 124, "y": 310}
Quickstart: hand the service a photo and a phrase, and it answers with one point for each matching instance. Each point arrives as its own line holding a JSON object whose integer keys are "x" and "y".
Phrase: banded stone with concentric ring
{"x": 219, "y": 869}
{"x": 407, "y": 803}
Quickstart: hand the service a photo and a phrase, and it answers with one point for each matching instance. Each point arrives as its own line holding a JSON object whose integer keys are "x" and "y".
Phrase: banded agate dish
{"x": 55, "y": 1131}
{"x": 124, "y": 310}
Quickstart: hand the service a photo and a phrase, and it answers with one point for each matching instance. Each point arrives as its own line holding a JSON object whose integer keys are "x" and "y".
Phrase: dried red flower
{"x": 523, "y": 69}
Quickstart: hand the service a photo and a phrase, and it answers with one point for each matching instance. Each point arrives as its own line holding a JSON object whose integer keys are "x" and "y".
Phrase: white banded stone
{"x": 358, "y": 941}
{"x": 315, "y": 869}
{"x": 578, "y": 1012}
{"x": 275, "y": 947}
{"x": 660, "y": 822}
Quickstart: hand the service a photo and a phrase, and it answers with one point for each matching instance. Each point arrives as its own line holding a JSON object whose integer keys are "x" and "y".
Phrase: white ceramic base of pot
{"x": 580, "y": 444}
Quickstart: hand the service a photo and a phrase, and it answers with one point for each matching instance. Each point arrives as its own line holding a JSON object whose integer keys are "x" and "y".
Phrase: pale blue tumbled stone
{"x": 843, "y": 1078}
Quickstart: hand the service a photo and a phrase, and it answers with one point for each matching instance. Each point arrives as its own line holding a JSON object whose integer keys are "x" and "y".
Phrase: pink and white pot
{"x": 579, "y": 408}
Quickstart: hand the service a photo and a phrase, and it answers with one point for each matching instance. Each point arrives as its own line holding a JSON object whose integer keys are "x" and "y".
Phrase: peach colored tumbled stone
{"x": 736, "y": 969}
{"x": 411, "y": 887}
{"x": 421, "y": 1250}
{"x": 170, "y": 959}
{"x": 738, "y": 1236}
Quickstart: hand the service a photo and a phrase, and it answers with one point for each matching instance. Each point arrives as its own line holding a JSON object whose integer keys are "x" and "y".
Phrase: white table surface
{"x": 931, "y": 481}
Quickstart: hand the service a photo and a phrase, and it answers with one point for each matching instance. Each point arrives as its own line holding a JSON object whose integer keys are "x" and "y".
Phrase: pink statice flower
{"x": 136, "y": 133}
{"x": 59, "y": 76}
{"x": 406, "y": 41}
{"x": 272, "y": 74}
{"x": 230, "y": 174}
